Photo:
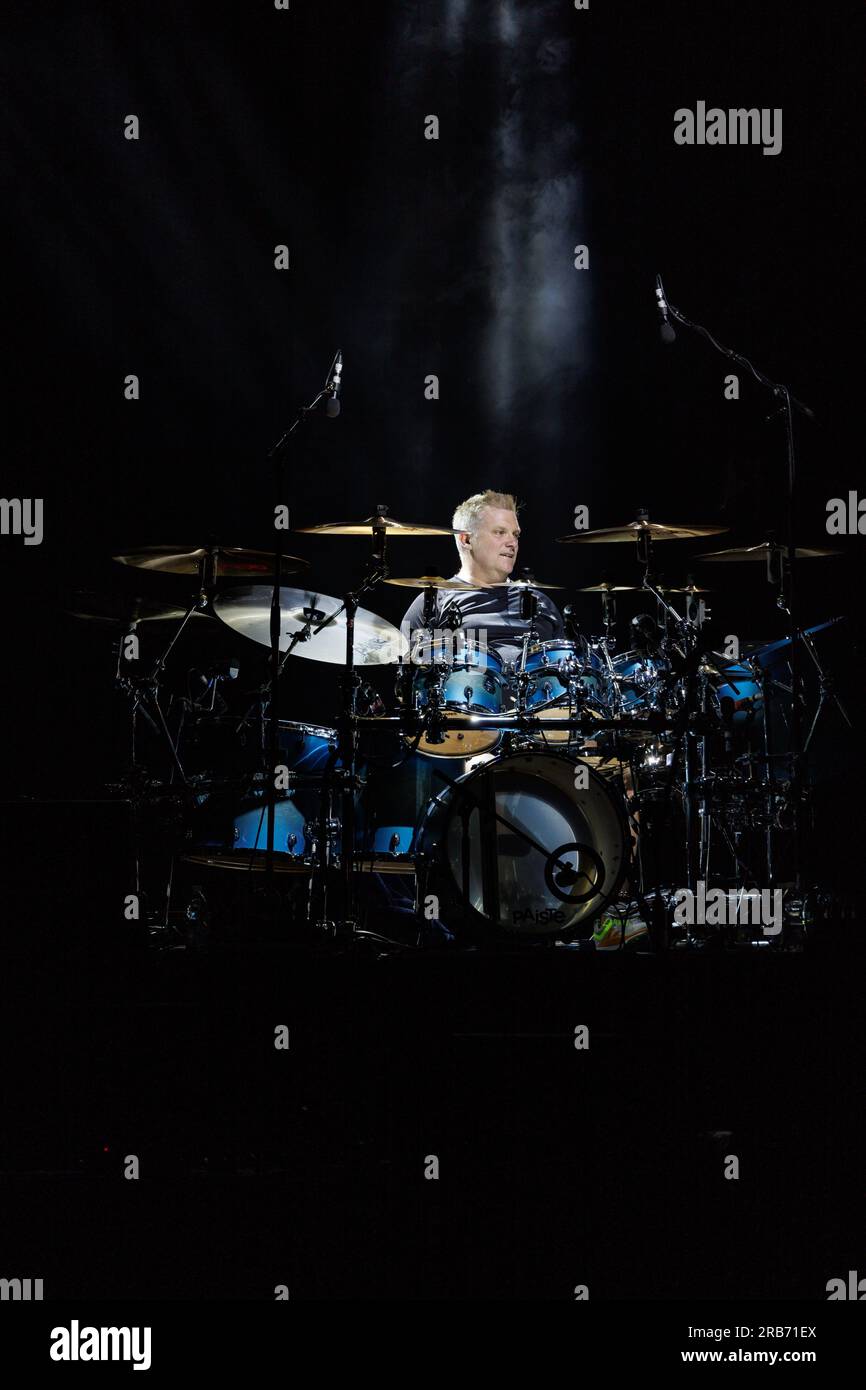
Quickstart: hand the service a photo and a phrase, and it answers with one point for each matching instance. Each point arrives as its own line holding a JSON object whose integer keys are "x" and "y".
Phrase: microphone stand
{"x": 787, "y": 597}
{"x": 276, "y": 455}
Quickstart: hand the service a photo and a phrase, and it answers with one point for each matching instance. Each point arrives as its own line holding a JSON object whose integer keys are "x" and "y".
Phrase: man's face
{"x": 494, "y": 544}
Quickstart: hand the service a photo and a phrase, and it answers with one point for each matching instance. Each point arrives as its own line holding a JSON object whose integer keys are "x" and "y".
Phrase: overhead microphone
{"x": 332, "y": 387}
{"x": 666, "y": 329}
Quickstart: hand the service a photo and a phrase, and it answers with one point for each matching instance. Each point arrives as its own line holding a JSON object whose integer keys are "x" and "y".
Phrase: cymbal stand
{"x": 529, "y": 612}
{"x": 785, "y": 404}
{"x": 825, "y": 687}
{"x": 695, "y": 813}
{"x": 276, "y": 457}
{"x": 144, "y": 692}
{"x": 377, "y": 570}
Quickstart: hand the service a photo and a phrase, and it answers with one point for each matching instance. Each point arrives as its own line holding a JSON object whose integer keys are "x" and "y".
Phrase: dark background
{"x": 453, "y": 257}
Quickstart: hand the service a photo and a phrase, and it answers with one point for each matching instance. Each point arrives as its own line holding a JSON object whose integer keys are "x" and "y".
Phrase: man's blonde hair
{"x": 468, "y": 514}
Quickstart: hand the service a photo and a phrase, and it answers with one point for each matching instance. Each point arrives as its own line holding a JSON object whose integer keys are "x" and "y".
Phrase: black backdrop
{"x": 451, "y": 257}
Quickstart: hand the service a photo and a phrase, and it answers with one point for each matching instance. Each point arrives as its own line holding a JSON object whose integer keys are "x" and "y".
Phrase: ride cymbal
{"x": 763, "y": 549}
{"x": 230, "y": 561}
{"x": 120, "y": 610}
{"x": 248, "y": 611}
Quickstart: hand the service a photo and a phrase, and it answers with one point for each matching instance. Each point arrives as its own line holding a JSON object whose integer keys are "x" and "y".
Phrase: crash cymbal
{"x": 231, "y": 561}
{"x": 390, "y": 524}
{"x": 654, "y": 529}
{"x": 120, "y": 610}
{"x": 605, "y": 588}
{"x": 761, "y": 551}
{"x": 432, "y": 581}
{"x": 248, "y": 611}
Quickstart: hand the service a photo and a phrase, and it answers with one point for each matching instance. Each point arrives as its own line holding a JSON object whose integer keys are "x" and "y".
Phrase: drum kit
{"x": 518, "y": 800}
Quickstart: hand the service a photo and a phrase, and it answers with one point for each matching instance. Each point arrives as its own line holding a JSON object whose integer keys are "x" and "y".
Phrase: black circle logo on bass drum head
{"x": 560, "y": 876}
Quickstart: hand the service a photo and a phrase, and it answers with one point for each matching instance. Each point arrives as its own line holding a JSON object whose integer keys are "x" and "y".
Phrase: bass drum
{"x": 531, "y": 844}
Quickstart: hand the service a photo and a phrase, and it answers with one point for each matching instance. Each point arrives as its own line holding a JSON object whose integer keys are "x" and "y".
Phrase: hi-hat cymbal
{"x": 762, "y": 550}
{"x": 390, "y": 525}
{"x": 248, "y": 611}
{"x": 605, "y": 588}
{"x": 121, "y": 610}
{"x": 654, "y": 529}
{"x": 230, "y": 561}
{"x": 432, "y": 581}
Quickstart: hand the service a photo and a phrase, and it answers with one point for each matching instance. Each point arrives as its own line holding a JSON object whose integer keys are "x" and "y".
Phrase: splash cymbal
{"x": 605, "y": 588}
{"x": 230, "y": 561}
{"x": 656, "y": 530}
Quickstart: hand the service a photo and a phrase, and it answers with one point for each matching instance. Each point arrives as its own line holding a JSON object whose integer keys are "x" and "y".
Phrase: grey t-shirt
{"x": 498, "y": 612}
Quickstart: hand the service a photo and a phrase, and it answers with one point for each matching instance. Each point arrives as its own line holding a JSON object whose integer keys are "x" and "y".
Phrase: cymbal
{"x": 248, "y": 611}
{"x": 231, "y": 562}
{"x": 433, "y": 581}
{"x": 121, "y": 610}
{"x": 521, "y": 584}
{"x": 760, "y": 552}
{"x": 390, "y": 524}
{"x": 758, "y": 649}
{"x": 684, "y": 589}
{"x": 632, "y": 529}
{"x": 605, "y": 588}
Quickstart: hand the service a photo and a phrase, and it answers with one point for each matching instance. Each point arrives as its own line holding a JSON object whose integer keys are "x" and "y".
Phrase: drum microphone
{"x": 646, "y": 635}
{"x": 451, "y": 617}
{"x": 528, "y": 605}
{"x": 226, "y": 670}
{"x": 332, "y": 387}
{"x": 375, "y": 703}
{"x": 572, "y": 631}
{"x": 666, "y": 329}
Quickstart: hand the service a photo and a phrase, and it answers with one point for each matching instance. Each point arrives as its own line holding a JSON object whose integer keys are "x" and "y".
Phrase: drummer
{"x": 487, "y": 534}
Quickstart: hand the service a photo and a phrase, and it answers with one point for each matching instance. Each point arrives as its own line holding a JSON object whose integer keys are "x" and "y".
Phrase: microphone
{"x": 572, "y": 629}
{"x": 666, "y": 329}
{"x": 227, "y": 669}
{"x": 332, "y": 387}
{"x": 528, "y": 605}
{"x": 645, "y": 634}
